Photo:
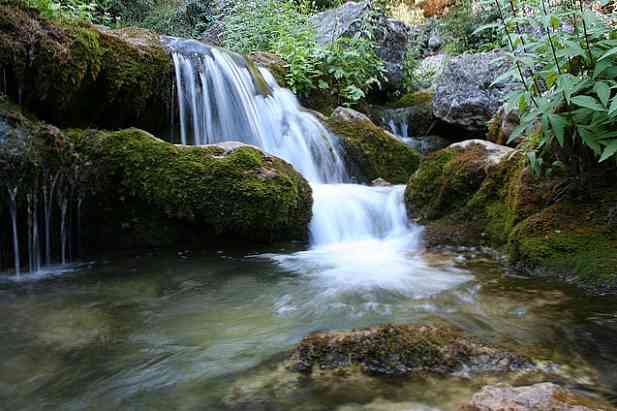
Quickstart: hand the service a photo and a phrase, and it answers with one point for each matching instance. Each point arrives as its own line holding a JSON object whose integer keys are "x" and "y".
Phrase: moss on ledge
{"x": 375, "y": 152}
{"x": 413, "y": 99}
{"x": 153, "y": 193}
{"x": 78, "y": 75}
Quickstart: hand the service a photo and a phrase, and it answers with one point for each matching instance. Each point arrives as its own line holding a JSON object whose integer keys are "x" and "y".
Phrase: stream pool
{"x": 193, "y": 331}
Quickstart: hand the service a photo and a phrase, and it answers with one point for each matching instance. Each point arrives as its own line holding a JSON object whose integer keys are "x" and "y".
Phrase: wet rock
{"x": 275, "y": 64}
{"x": 538, "y": 397}
{"x": 391, "y": 39}
{"x": 401, "y": 350}
{"x": 348, "y": 114}
{"x": 465, "y": 95}
{"x": 380, "y": 182}
{"x": 372, "y": 152}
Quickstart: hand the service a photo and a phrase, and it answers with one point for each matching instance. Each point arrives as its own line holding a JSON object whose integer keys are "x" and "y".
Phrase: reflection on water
{"x": 207, "y": 332}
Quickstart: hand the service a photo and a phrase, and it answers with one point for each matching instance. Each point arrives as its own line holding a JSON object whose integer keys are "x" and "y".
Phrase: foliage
{"x": 411, "y": 63}
{"x": 184, "y": 18}
{"x": 84, "y": 10}
{"x": 459, "y": 28}
{"x": 347, "y": 68}
{"x": 567, "y": 61}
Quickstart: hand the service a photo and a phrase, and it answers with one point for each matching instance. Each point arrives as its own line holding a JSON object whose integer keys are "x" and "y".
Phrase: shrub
{"x": 347, "y": 68}
{"x": 566, "y": 58}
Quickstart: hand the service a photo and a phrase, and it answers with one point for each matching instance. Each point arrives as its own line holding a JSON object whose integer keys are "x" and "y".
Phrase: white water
{"x": 360, "y": 235}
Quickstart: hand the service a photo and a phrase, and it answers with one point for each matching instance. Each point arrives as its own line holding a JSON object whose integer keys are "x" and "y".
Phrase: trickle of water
{"x": 13, "y": 213}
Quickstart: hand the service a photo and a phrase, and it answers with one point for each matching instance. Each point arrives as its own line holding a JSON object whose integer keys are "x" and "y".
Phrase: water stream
{"x": 206, "y": 330}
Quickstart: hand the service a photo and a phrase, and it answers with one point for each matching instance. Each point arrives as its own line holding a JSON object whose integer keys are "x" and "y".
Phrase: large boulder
{"x": 392, "y": 36}
{"x": 78, "y": 75}
{"x": 371, "y": 151}
{"x": 166, "y": 194}
{"x": 133, "y": 190}
{"x": 538, "y": 397}
{"x": 465, "y": 95}
{"x": 401, "y": 350}
{"x": 480, "y": 193}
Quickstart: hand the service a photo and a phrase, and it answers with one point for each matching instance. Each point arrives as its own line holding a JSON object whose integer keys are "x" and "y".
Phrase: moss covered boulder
{"x": 480, "y": 193}
{"x": 371, "y": 151}
{"x": 400, "y": 350}
{"x": 152, "y": 193}
{"x": 575, "y": 238}
{"x": 78, "y": 75}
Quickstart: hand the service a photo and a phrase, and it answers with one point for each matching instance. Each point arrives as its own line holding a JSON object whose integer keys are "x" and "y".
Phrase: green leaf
{"x": 613, "y": 109}
{"x": 609, "y": 53}
{"x": 558, "y": 125}
{"x": 609, "y": 151}
{"x": 588, "y": 102}
{"x": 603, "y": 91}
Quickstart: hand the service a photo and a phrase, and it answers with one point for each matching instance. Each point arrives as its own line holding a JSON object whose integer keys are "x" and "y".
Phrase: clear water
{"x": 207, "y": 331}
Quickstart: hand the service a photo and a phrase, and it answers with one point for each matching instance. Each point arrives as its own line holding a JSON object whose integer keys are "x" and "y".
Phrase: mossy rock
{"x": 153, "y": 193}
{"x": 415, "y": 98}
{"x": 137, "y": 191}
{"x": 371, "y": 151}
{"x": 575, "y": 238}
{"x": 400, "y": 350}
{"x": 464, "y": 198}
{"x": 78, "y": 75}
{"x": 274, "y": 64}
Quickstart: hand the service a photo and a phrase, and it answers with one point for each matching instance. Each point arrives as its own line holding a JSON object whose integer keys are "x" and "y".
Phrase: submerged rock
{"x": 79, "y": 75}
{"x": 371, "y": 151}
{"x": 538, "y": 397}
{"x": 391, "y": 39}
{"x": 465, "y": 95}
{"x": 401, "y": 350}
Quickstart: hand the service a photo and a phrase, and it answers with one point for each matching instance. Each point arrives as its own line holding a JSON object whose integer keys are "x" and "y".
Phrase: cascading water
{"x": 357, "y": 231}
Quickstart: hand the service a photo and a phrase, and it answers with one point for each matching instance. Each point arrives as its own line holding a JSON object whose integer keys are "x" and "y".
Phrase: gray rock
{"x": 434, "y": 42}
{"x": 347, "y": 20}
{"x": 494, "y": 153}
{"x": 465, "y": 95}
{"x": 380, "y": 182}
{"x": 348, "y": 114}
{"x": 538, "y": 397}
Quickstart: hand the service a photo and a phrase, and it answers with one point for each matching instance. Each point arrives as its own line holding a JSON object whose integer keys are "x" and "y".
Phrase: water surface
{"x": 207, "y": 331}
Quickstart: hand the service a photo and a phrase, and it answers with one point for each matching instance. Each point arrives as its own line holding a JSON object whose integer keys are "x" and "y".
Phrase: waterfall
{"x": 224, "y": 97}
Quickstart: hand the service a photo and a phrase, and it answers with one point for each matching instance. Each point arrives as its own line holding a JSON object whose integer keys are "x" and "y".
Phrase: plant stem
{"x": 550, "y": 39}
{"x": 520, "y": 34}
{"x": 586, "y": 34}
{"x": 518, "y": 65}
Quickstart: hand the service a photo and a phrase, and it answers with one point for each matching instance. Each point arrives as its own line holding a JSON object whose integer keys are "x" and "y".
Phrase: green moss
{"x": 413, "y": 99}
{"x": 374, "y": 152}
{"x": 464, "y": 201}
{"x": 445, "y": 182}
{"x": 55, "y": 70}
{"x": 571, "y": 238}
{"x": 243, "y": 192}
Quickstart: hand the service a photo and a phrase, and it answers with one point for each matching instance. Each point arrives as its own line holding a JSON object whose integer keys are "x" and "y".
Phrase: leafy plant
{"x": 566, "y": 59}
{"x": 347, "y": 68}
